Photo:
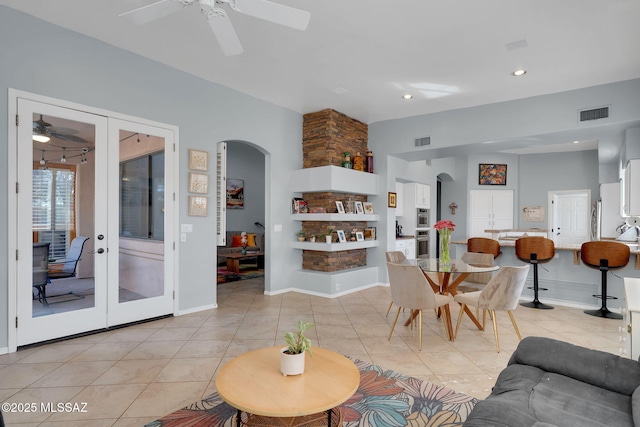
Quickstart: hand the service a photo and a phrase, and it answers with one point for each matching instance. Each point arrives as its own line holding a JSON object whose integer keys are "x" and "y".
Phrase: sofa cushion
{"x": 251, "y": 240}
{"x": 595, "y": 367}
{"x": 635, "y": 406}
{"x": 236, "y": 241}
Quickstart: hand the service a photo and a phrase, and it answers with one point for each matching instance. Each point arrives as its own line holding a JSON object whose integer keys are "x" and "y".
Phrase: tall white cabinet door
{"x": 490, "y": 210}
{"x": 502, "y": 204}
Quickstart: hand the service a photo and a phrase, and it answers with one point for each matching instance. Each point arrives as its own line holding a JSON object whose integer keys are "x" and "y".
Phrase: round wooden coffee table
{"x": 253, "y": 384}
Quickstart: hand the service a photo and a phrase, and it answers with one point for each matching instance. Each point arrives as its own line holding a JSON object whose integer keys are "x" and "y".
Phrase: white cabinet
{"x": 399, "y": 199}
{"x": 632, "y": 188}
{"x": 416, "y": 196}
{"x": 490, "y": 210}
{"x": 630, "y": 331}
{"x": 407, "y": 246}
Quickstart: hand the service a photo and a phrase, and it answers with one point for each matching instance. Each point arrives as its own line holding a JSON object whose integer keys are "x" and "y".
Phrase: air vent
{"x": 594, "y": 114}
{"x": 423, "y": 141}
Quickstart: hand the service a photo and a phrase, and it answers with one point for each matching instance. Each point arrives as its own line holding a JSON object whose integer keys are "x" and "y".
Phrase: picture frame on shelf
{"x": 198, "y": 160}
{"x": 198, "y": 206}
{"x": 359, "y": 207}
{"x": 368, "y": 207}
{"x": 198, "y": 183}
{"x": 392, "y": 199}
{"x": 359, "y": 236}
{"x": 341, "y": 236}
{"x": 370, "y": 233}
{"x": 340, "y": 207}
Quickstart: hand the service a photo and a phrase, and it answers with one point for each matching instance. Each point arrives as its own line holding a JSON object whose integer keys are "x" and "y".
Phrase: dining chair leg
{"x": 394, "y": 323}
{"x": 462, "y": 306}
{"x": 495, "y": 328}
{"x": 420, "y": 328}
{"x": 515, "y": 325}
{"x": 389, "y": 309}
{"x": 484, "y": 318}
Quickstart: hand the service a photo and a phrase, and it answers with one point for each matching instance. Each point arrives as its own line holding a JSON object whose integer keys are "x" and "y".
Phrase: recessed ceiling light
{"x": 407, "y": 96}
{"x": 520, "y": 72}
{"x": 576, "y": 142}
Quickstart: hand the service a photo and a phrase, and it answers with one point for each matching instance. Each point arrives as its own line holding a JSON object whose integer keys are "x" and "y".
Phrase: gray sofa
{"x": 228, "y": 248}
{"x": 553, "y": 383}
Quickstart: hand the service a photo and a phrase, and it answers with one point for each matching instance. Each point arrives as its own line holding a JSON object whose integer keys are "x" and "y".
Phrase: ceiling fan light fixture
{"x": 40, "y": 138}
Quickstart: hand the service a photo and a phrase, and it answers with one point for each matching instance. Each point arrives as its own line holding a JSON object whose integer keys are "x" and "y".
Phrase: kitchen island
{"x": 569, "y": 282}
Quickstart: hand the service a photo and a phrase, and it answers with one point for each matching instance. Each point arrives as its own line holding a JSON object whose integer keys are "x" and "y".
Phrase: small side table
{"x": 253, "y": 384}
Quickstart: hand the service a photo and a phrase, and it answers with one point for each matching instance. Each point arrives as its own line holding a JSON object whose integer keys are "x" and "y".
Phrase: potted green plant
{"x": 301, "y": 235}
{"x": 329, "y": 236}
{"x": 292, "y": 356}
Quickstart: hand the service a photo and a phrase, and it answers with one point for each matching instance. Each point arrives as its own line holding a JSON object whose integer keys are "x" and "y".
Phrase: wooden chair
{"x": 535, "y": 250}
{"x": 604, "y": 256}
{"x": 410, "y": 289}
{"x": 484, "y": 246}
{"x": 475, "y": 281}
{"x": 501, "y": 294}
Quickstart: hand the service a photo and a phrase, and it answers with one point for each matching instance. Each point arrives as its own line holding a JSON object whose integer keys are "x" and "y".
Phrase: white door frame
{"x": 12, "y": 203}
{"x": 552, "y": 208}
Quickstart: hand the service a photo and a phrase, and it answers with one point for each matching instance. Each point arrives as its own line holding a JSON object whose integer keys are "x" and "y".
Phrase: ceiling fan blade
{"x": 154, "y": 11}
{"x": 274, "y": 12}
{"x": 223, "y": 30}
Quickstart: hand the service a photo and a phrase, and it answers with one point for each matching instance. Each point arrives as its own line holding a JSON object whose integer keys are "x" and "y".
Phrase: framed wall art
{"x": 339, "y": 206}
{"x": 342, "y": 238}
{"x": 235, "y": 193}
{"x": 359, "y": 207}
{"x": 492, "y": 174}
{"x": 198, "y": 160}
{"x": 393, "y": 200}
{"x": 198, "y": 206}
{"x": 198, "y": 183}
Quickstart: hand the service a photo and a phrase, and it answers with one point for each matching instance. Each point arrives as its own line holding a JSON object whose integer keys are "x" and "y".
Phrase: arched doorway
{"x": 245, "y": 210}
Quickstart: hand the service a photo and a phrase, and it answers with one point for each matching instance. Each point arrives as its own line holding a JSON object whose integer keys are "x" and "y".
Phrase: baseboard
{"x": 325, "y": 295}
{"x": 196, "y": 309}
{"x": 4, "y": 350}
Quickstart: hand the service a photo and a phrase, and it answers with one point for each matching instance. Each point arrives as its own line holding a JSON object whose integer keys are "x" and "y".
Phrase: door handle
{"x": 100, "y": 251}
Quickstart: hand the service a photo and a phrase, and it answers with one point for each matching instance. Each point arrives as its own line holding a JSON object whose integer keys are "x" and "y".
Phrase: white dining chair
{"x": 502, "y": 293}
{"x": 410, "y": 289}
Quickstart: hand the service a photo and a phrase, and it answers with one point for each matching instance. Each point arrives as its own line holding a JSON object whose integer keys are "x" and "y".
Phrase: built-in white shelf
{"x": 335, "y": 246}
{"x": 334, "y": 217}
{"x": 334, "y": 179}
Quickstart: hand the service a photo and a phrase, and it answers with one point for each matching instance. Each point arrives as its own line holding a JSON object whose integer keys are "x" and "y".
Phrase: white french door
{"x": 88, "y": 175}
{"x": 65, "y": 311}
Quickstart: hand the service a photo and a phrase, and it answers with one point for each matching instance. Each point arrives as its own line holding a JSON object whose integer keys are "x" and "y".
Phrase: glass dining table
{"x": 445, "y": 280}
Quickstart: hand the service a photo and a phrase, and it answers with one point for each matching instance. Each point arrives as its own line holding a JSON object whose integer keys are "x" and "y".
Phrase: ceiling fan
{"x": 219, "y": 20}
{"x": 45, "y": 129}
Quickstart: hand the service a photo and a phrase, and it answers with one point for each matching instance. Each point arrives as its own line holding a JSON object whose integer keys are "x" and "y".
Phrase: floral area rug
{"x": 247, "y": 271}
{"x": 383, "y": 399}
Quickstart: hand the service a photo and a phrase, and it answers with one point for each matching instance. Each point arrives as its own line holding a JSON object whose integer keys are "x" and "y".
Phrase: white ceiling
{"x": 360, "y": 56}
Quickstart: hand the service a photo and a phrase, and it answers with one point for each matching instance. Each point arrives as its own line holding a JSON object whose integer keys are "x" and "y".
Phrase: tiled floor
{"x": 134, "y": 375}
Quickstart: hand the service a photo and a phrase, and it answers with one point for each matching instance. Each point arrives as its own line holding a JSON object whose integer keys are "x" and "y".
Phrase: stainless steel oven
{"x": 422, "y": 218}
{"x": 422, "y": 243}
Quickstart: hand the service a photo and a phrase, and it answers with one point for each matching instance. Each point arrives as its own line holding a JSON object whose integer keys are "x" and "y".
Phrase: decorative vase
{"x": 445, "y": 238}
{"x": 244, "y": 251}
{"x": 291, "y": 364}
{"x": 328, "y": 239}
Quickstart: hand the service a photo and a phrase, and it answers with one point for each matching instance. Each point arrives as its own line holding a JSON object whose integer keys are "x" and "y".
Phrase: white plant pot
{"x": 328, "y": 239}
{"x": 291, "y": 364}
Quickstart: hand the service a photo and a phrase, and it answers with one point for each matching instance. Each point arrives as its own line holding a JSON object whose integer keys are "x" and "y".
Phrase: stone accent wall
{"x": 326, "y": 135}
{"x": 333, "y": 261}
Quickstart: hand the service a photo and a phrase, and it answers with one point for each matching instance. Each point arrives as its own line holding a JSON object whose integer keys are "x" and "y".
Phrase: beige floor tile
{"x": 159, "y": 399}
{"x": 145, "y": 371}
{"x": 74, "y": 374}
{"x": 41, "y": 403}
{"x": 103, "y": 402}
{"x": 132, "y": 372}
{"x": 191, "y": 370}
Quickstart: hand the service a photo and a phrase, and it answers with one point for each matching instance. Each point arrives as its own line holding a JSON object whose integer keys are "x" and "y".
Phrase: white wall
{"x": 82, "y": 70}
{"x": 247, "y": 163}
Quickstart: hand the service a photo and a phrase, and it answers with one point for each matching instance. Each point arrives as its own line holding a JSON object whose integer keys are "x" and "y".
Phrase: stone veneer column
{"x": 326, "y": 135}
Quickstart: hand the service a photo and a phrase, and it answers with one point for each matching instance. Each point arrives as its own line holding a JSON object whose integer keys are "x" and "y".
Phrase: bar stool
{"x": 535, "y": 250}
{"x": 483, "y": 245}
{"x": 604, "y": 256}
